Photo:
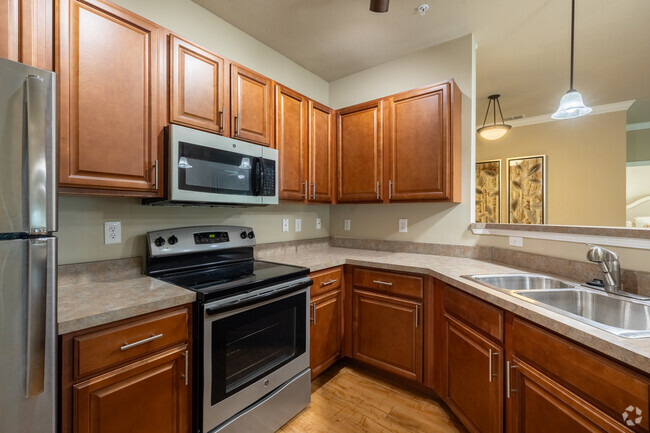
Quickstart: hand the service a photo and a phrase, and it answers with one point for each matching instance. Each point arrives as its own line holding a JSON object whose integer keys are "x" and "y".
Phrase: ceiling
{"x": 523, "y": 46}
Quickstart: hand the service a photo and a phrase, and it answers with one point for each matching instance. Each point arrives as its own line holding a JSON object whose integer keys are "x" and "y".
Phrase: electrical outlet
{"x": 318, "y": 224}
{"x": 112, "y": 232}
{"x": 285, "y": 224}
{"x": 346, "y": 224}
{"x": 403, "y": 225}
{"x": 298, "y": 224}
{"x": 516, "y": 241}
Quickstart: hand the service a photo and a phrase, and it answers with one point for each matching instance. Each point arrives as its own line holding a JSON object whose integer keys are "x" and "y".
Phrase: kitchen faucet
{"x": 609, "y": 264}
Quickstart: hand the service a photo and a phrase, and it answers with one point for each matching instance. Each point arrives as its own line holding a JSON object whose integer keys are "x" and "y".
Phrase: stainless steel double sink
{"x": 624, "y": 316}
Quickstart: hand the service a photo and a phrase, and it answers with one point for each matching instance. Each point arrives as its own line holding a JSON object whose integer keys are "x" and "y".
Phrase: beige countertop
{"x": 90, "y": 303}
{"x": 635, "y": 352}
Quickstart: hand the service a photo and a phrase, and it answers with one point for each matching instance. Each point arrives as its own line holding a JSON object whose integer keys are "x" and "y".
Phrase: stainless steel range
{"x": 251, "y": 327}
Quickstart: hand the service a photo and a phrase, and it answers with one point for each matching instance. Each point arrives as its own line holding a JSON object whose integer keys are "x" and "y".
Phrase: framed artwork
{"x": 488, "y": 191}
{"x": 527, "y": 189}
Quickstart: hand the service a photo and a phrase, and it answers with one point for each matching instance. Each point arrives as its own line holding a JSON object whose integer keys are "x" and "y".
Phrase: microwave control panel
{"x": 268, "y": 182}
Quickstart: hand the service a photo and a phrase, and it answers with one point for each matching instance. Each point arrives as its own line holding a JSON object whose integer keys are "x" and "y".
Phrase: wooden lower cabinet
{"x": 537, "y": 404}
{"x": 325, "y": 332}
{"x": 149, "y": 396}
{"x": 473, "y": 384}
{"x": 387, "y": 333}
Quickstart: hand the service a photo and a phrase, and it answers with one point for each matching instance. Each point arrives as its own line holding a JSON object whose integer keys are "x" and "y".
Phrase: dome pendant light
{"x": 571, "y": 104}
{"x": 379, "y": 5}
{"x": 496, "y": 130}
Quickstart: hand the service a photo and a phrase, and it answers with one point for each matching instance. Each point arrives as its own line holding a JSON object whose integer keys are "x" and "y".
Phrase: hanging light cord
{"x": 494, "y": 110}
{"x": 488, "y": 112}
{"x": 573, "y": 14}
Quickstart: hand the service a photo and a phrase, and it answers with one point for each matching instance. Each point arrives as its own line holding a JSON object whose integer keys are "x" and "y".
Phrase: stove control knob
{"x": 243, "y": 235}
{"x": 159, "y": 241}
{"x": 251, "y": 235}
{"x": 173, "y": 240}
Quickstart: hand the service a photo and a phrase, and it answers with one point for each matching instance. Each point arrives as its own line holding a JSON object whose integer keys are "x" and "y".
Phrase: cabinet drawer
{"x": 326, "y": 280}
{"x": 102, "y": 349}
{"x": 481, "y": 315}
{"x": 607, "y": 385}
{"x": 398, "y": 284}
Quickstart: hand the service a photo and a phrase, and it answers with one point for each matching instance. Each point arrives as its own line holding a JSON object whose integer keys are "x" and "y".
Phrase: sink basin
{"x": 614, "y": 314}
{"x": 520, "y": 281}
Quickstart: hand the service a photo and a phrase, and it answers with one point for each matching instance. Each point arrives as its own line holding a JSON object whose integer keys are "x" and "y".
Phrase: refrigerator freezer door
{"x": 28, "y": 335}
{"x": 27, "y": 149}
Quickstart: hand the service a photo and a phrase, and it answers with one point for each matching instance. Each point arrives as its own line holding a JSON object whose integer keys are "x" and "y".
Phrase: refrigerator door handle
{"x": 37, "y": 282}
{"x": 35, "y": 107}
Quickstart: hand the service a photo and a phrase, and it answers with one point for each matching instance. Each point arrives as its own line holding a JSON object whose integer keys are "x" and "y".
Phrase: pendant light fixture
{"x": 496, "y": 130}
{"x": 379, "y": 5}
{"x": 571, "y": 104}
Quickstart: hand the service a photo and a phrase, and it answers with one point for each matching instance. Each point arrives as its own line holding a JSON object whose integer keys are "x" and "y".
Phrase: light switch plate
{"x": 346, "y": 224}
{"x": 298, "y": 224}
{"x": 516, "y": 241}
{"x": 112, "y": 232}
{"x": 318, "y": 224}
{"x": 403, "y": 225}
{"x": 285, "y": 224}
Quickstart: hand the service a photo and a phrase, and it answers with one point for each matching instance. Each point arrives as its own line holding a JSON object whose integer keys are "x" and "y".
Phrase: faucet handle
{"x": 600, "y": 254}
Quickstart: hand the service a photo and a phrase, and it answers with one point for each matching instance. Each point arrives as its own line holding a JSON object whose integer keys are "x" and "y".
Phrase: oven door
{"x": 252, "y": 350}
{"x": 206, "y": 167}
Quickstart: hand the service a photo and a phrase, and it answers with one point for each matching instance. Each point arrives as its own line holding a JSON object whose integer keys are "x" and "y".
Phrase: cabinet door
{"x": 196, "y": 87}
{"x": 325, "y": 332}
{"x": 538, "y": 404}
{"x": 321, "y": 153}
{"x": 359, "y": 153}
{"x": 472, "y": 379}
{"x": 26, "y": 32}
{"x": 252, "y": 106}
{"x": 110, "y": 92}
{"x": 149, "y": 396}
{"x": 420, "y": 145}
{"x": 291, "y": 142}
{"x": 387, "y": 333}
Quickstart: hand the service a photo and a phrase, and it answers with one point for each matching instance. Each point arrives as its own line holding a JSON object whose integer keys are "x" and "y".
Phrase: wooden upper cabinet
{"x": 321, "y": 153}
{"x": 424, "y": 144}
{"x": 196, "y": 87}
{"x": 111, "y": 91}
{"x": 359, "y": 152}
{"x": 26, "y": 32}
{"x": 291, "y": 142}
{"x": 252, "y": 106}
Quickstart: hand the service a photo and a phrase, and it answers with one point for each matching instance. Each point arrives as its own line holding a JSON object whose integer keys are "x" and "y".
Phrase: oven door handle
{"x": 256, "y": 297}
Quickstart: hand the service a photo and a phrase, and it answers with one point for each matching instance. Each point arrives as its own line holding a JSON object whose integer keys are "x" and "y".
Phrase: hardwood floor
{"x": 349, "y": 400}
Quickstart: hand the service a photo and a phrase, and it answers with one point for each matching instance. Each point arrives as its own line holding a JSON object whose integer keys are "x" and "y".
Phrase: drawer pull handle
{"x": 382, "y": 282}
{"x": 138, "y": 343}
{"x": 327, "y": 283}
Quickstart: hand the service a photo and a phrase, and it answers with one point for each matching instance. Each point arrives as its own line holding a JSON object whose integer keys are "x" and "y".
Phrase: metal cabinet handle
{"x": 37, "y": 282}
{"x": 390, "y": 189}
{"x": 378, "y": 191}
{"x": 382, "y": 282}
{"x": 313, "y": 187}
{"x": 313, "y": 313}
{"x": 327, "y": 283}
{"x": 221, "y": 119}
{"x": 490, "y": 369}
{"x": 237, "y": 124}
{"x": 186, "y": 375}
{"x": 306, "y": 192}
{"x": 417, "y": 318}
{"x": 155, "y": 174}
{"x": 141, "y": 342}
{"x": 509, "y": 390}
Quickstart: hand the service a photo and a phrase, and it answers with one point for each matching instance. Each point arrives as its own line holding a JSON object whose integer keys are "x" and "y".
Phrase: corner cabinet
{"x": 111, "y": 65}
{"x": 251, "y": 105}
{"x": 132, "y": 375}
{"x": 197, "y": 87}
{"x": 26, "y": 32}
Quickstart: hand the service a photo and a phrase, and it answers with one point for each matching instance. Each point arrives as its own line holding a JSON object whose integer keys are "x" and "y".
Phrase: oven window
{"x": 204, "y": 169}
{"x": 255, "y": 342}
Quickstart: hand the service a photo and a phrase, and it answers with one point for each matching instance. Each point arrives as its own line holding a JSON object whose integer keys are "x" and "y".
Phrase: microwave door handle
{"x": 258, "y": 178}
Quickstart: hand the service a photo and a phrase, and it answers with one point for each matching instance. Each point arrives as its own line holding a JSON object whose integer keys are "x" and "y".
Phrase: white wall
{"x": 428, "y": 222}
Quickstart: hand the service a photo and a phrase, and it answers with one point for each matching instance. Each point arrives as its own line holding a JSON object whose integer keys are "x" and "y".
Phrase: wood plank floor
{"x": 349, "y": 400}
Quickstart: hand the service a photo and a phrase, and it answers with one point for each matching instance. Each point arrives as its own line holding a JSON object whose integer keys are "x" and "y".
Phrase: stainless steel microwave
{"x": 205, "y": 168}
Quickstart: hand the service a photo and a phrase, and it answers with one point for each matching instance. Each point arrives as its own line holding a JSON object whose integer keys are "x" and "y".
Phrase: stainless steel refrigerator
{"x": 27, "y": 249}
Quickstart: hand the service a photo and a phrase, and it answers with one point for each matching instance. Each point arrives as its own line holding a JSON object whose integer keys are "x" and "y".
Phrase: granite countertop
{"x": 635, "y": 352}
{"x": 98, "y": 293}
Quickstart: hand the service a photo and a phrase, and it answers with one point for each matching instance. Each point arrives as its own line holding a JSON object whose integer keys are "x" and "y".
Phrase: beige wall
{"x": 585, "y": 181}
{"x": 204, "y": 28}
{"x": 428, "y": 222}
{"x": 81, "y": 224}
